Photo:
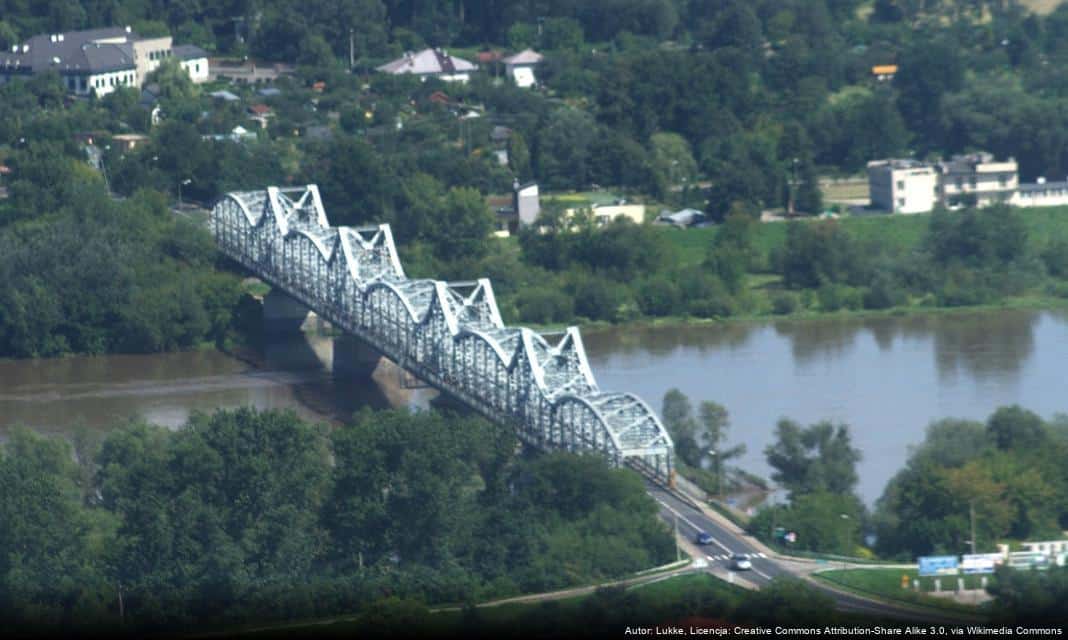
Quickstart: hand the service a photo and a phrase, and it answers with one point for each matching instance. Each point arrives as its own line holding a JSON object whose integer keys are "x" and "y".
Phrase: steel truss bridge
{"x": 448, "y": 334}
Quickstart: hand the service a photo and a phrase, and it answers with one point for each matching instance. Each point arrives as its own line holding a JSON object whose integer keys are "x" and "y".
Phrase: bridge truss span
{"x": 448, "y": 334}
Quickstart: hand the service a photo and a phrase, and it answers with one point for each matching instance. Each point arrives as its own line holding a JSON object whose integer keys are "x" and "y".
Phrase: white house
{"x": 520, "y": 67}
{"x": 194, "y": 60}
{"x": 431, "y": 63}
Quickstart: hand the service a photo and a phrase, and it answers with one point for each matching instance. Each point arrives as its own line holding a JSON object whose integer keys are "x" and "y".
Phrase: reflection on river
{"x": 887, "y": 377}
{"x": 56, "y": 396}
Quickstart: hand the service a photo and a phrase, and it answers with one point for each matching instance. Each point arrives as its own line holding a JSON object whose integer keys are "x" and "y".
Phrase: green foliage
{"x": 102, "y": 276}
{"x": 784, "y": 303}
{"x": 1030, "y": 597}
{"x": 819, "y": 458}
{"x": 243, "y": 515}
{"x": 1007, "y": 471}
{"x": 700, "y": 442}
{"x": 823, "y": 522}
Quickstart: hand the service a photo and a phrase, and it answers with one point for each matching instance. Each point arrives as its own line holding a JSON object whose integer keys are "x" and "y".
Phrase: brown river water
{"x": 887, "y": 377}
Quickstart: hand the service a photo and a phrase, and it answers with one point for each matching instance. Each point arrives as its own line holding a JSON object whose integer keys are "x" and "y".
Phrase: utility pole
{"x": 971, "y": 514}
{"x": 352, "y": 50}
{"x": 793, "y": 187}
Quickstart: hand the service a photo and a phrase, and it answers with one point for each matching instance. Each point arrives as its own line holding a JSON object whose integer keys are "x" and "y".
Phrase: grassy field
{"x": 901, "y": 231}
{"x": 1042, "y": 7}
{"x": 886, "y": 583}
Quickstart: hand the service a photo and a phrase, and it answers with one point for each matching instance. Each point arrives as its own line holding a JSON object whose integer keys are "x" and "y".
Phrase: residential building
{"x": 247, "y": 71}
{"x": 431, "y": 63}
{"x": 520, "y": 67}
{"x": 606, "y": 213}
{"x": 527, "y": 203}
{"x": 902, "y": 186}
{"x": 96, "y": 61}
{"x": 977, "y": 179}
{"x": 194, "y": 60}
{"x": 884, "y": 72}
{"x": 1041, "y": 194}
{"x": 129, "y": 141}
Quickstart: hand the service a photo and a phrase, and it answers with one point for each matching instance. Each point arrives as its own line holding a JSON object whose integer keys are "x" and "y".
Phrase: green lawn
{"x": 886, "y": 583}
{"x": 903, "y": 231}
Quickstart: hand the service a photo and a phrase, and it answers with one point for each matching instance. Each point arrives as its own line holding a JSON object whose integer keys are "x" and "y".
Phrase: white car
{"x": 740, "y": 563}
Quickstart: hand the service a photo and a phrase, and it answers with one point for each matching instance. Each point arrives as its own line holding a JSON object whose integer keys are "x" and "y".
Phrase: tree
{"x": 673, "y": 162}
{"x": 564, "y": 149}
{"x": 519, "y": 157}
{"x": 1016, "y": 428}
{"x": 174, "y": 82}
{"x": 462, "y": 226}
{"x": 819, "y": 458}
{"x": 715, "y": 422}
{"x": 677, "y": 413}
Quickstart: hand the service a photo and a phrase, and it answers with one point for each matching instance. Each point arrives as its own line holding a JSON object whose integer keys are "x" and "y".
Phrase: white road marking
{"x": 689, "y": 522}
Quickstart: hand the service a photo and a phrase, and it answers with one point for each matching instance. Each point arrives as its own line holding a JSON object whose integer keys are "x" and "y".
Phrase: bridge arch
{"x": 450, "y": 335}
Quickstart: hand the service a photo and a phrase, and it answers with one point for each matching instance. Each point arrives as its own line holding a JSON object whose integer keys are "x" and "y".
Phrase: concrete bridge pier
{"x": 354, "y": 358}
{"x": 284, "y": 314}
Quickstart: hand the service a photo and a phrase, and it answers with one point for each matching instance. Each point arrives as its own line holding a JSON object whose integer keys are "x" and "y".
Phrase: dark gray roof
{"x": 188, "y": 52}
{"x": 73, "y": 52}
{"x": 1043, "y": 186}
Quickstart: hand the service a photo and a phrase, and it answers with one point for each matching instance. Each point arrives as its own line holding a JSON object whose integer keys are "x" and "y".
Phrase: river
{"x": 887, "y": 377}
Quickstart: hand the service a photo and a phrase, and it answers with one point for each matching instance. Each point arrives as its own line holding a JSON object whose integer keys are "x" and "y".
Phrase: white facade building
{"x": 977, "y": 179}
{"x": 96, "y": 61}
{"x": 902, "y": 186}
{"x": 1041, "y": 194}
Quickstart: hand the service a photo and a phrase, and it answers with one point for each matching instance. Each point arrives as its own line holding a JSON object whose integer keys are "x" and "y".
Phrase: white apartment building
{"x": 977, "y": 179}
{"x": 902, "y": 186}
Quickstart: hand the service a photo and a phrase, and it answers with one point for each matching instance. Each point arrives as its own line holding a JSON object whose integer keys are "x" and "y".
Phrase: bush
{"x": 543, "y": 305}
{"x": 719, "y": 307}
{"x": 833, "y": 297}
{"x": 601, "y": 299}
{"x": 784, "y": 303}
{"x": 658, "y": 297}
{"x": 884, "y": 293}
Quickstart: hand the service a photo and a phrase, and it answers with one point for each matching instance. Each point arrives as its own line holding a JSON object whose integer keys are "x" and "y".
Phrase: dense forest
{"x": 254, "y": 516}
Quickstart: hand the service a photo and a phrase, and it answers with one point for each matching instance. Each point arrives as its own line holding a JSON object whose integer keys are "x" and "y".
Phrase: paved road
{"x": 726, "y": 541}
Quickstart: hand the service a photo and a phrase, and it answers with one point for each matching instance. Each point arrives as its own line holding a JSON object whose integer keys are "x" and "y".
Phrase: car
{"x": 740, "y": 563}
{"x": 703, "y": 538}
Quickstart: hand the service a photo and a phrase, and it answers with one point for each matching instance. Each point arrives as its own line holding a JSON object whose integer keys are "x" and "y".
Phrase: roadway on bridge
{"x": 728, "y": 541}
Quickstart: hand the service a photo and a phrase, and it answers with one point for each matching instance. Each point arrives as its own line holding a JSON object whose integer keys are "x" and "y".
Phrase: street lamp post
{"x": 183, "y": 182}
{"x": 845, "y": 534}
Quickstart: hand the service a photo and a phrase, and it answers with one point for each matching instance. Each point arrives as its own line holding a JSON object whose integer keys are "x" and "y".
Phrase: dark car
{"x": 703, "y": 538}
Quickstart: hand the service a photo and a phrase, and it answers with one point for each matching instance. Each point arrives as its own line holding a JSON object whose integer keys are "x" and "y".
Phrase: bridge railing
{"x": 450, "y": 335}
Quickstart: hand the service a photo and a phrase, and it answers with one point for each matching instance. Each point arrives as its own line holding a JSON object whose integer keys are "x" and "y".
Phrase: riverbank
{"x": 1028, "y": 303}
